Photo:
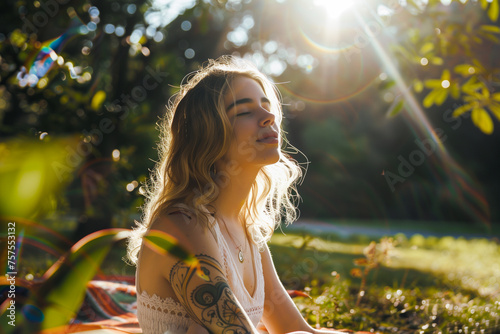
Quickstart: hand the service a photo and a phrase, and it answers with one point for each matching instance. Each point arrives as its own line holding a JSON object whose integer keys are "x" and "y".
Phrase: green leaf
{"x": 485, "y": 92}
{"x": 491, "y": 37}
{"x": 414, "y": 35}
{"x": 437, "y": 61}
{"x": 387, "y": 84}
{"x": 477, "y": 39}
{"x": 433, "y": 83}
{"x": 495, "y": 109}
{"x": 62, "y": 292}
{"x": 441, "y": 96}
{"x": 430, "y": 98}
{"x": 463, "y": 70}
{"x": 482, "y": 120}
{"x": 472, "y": 85}
{"x": 98, "y": 100}
{"x": 413, "y": 4}
{"x": 163, "y": 243}
{"x": 426, "y": 48}
{"x": 418, "y": 86}
{"x": 490, "y": 28}
{"x": 395, "y": 108}
{"x": 478, "y": 65}
{"x": 455, "y": 91}
{"x": 462, "y": 109}
{"x": 493, "y": 11}
{"x": 445, "y": 75}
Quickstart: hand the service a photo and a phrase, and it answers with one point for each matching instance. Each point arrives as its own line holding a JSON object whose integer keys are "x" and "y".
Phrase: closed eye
{"x": 243, "y": 113}
{"x": 265, "y": 103}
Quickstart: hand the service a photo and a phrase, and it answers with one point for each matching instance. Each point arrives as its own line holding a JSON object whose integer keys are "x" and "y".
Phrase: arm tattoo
{"x": 213, "y": 299}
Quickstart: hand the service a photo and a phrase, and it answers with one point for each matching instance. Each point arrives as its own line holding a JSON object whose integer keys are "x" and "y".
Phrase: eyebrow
{"x": 246, "y": 100}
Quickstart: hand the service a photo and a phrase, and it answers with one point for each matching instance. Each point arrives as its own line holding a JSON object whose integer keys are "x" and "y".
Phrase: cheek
{"x": 244, "y": 132}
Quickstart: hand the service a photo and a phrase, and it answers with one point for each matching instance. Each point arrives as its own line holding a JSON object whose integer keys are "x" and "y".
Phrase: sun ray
{"x": 460, "y": 185}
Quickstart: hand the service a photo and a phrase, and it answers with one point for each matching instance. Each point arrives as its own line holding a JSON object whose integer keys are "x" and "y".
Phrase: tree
{"x": 452, "y": 58}
{"x": 90, "y": 80}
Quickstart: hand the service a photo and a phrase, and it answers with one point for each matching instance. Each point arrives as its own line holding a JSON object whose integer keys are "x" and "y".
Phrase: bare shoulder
{"x": 189, "y": 233}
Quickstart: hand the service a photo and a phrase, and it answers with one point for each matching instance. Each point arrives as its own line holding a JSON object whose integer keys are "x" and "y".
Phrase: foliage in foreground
{"x": 51, "y": 302}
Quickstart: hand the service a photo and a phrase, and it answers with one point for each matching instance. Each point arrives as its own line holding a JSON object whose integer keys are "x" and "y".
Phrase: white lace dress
{"x": 166, "y": 316}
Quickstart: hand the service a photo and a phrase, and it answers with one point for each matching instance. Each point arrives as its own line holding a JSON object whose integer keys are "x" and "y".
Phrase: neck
{"x": 233, "y": 192}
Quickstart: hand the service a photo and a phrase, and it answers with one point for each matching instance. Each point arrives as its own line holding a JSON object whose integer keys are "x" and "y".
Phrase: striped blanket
{"x": 110, "y": 303}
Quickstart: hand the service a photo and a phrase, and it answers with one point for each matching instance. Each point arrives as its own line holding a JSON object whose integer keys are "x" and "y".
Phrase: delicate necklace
{"x": 240, "y": 253}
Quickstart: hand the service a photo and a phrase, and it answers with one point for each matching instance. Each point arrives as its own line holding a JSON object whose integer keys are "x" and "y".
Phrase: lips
{"x": 270, "y": 137}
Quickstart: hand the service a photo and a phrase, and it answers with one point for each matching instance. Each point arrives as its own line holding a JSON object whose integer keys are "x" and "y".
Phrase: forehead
{"x": 243, "y": 87}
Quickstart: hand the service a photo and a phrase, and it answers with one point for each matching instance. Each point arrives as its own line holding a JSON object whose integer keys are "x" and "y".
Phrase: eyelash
{"x": 248, "y": 112}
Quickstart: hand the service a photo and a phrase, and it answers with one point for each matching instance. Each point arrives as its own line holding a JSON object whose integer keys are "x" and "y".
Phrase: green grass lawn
{"x": 416, "y": 285}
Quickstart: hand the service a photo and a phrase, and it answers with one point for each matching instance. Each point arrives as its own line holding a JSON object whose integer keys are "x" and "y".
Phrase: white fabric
{"x": 166, "y": 316}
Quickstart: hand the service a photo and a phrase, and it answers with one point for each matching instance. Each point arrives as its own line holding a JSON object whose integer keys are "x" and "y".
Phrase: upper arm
{"x": 202, "y": 287}
{"x": 280, "y": 313}
{"x": 207, "y": 297}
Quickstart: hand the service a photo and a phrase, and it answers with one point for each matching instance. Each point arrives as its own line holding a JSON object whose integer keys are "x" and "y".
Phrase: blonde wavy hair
{"x": 195, "y": 133}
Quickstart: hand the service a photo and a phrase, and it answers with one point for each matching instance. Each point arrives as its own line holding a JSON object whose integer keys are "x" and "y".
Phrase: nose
{"x": 267, "y": 118}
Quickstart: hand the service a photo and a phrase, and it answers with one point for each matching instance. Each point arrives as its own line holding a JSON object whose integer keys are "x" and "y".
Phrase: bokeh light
{"x": 115, "y": 155}
{"x": 39, "y": 65}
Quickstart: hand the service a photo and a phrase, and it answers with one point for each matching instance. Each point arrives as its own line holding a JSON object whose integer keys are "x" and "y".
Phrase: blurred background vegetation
{"x": 394, "y": 103}
{"x": 83, "y": 84}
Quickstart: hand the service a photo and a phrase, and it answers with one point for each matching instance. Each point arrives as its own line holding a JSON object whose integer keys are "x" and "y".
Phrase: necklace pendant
{"x": 240, "y": 256}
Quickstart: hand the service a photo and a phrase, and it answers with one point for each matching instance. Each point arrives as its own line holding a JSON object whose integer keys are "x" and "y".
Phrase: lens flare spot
{"x": 145, "y": 51}
{"x": 186, "y": 25}
{"x": 130, "y": 187}
{"x": 116, "y": 155}
{"x": 42, "y": 83}
{"x": 189, "y": 53}
{"x": 41, "y": 63}
{"x": 334, "y": 8}
{"x": 445, "y": 84}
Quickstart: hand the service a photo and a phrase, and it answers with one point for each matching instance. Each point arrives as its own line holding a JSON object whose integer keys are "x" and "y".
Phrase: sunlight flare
{"x": 334, "y": 8}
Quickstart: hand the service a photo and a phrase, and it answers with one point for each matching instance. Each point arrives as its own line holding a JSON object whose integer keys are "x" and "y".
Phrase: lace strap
{"x": 165, "y": 305}
{"x": 157, "y": 315}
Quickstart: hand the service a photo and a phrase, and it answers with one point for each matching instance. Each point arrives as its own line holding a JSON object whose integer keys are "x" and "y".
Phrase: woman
{"x": 221, "y": 186}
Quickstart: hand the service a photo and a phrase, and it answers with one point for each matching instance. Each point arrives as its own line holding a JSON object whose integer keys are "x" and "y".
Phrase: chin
{"x": 272, "y": 160}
